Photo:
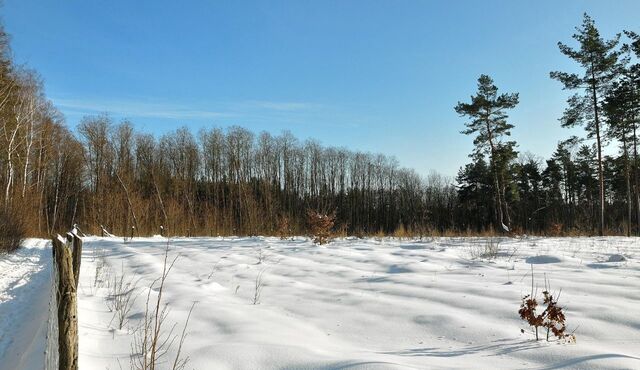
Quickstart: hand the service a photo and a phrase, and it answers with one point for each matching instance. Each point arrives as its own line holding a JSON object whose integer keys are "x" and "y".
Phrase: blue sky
{"x": 379, "y": 76}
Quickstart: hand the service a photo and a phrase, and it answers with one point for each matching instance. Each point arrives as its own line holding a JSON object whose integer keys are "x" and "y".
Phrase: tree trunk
{"x": 636, "y": 172}
{"x": 599, "y": 145}
{"x": 494, "y": 166}
{"x": 628, "y": 182}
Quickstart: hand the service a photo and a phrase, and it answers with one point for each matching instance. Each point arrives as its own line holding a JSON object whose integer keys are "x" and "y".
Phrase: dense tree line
{"x": 578, "y": 188}
{"x": 233, "y": 181}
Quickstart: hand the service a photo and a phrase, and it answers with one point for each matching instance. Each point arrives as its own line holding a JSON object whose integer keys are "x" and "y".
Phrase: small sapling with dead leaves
{"x": 321, "y": 225}
{"x": 284, "y": 228}
{"x": 552, "y": 318}
{"x": 528, "y": 313}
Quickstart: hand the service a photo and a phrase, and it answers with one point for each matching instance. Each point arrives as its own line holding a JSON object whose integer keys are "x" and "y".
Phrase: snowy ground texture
{"x": 25, "y": 288}
{"x": 359, "y": 304}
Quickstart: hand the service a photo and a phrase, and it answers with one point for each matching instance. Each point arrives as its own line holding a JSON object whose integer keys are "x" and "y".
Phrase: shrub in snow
{"x": 401, "y": 232}
{"x": 121, "y": 299}
{"x": 101, "y": 269}
{"x": 528, "y": 313}
{"x": 489, "y": 250}
{"x": 259, "y": 284}
{"x": 555, "y": 229}
{"x": 262, "y": 257}
{"x": 153, "y": 340}
{"x": 320, "y": 225}
{"x": 12, "y": 230}
{"x": 552, "y": 318}
{"x": 284, "y": 229}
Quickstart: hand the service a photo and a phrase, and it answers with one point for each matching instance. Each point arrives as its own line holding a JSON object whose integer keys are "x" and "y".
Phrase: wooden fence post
{"x": 67, "y": 306}
{"x": 77, "y": 258}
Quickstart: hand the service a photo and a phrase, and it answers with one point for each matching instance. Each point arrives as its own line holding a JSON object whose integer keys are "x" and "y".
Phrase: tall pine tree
{"x": 632, "y": 83}
{"x": 488, "y": 120}
{"x": 619, "y": 108}
{"x": 600, "y": 60}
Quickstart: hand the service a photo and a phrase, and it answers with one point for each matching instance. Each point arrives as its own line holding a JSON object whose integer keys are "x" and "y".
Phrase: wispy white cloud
{"x": 281, "y": 106}
{"x": 142, "y": 108}
{"x": 129, "y": 108}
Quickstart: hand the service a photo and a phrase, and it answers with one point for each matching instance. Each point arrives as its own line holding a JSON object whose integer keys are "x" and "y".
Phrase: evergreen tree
{"x": 632, "y": 81}
{"x": 586, "y": 185}
{"x": 528, "y": 180}
{"x": 475, "y": 194}
{"x": 552, "y": 178}
{"x": 600, "y": 60}
{"x": 563, "y": 157}
{"x": 488, "y": 120}
{"x": 620, "y": 112}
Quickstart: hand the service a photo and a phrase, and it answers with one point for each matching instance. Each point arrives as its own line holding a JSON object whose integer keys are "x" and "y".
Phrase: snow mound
{"x": 213, "y": 286}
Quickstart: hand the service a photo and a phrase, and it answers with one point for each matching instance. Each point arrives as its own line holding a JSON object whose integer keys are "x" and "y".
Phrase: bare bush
{"x": 215, "y": 268}
{"x": 120, "y": 299}
{"x": 320, "y": 225}
{"x": 257, "y": 288}
{"x": 488, "y": 250}
{"x": 556, "y": 229}
{"x": 12, "y": 230}
{"x": 99, "y": 265}
{"x": 153, "y": 340}
{"x": 262, "y": 256}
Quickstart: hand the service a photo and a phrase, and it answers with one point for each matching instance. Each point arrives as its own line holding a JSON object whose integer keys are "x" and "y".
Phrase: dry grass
{"x": 153, "y": 339}
{"x": 487, "y": 250}
{"x": 259, "y": 284}
{"x": 121, "y": 297}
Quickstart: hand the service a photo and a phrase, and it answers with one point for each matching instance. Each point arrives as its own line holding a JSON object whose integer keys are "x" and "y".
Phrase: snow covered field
{"x": 367, "y": 304}
{"x": 25, "y": 287}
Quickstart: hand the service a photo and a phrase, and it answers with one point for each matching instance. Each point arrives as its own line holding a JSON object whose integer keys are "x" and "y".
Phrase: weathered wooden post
{"x": 76, "y": 245}
{"x": 77, "y": 257}
{"x": 67, "y": 306}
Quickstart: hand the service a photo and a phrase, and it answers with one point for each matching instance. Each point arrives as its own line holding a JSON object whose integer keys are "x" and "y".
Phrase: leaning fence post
{"x": 67, "y": 306}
